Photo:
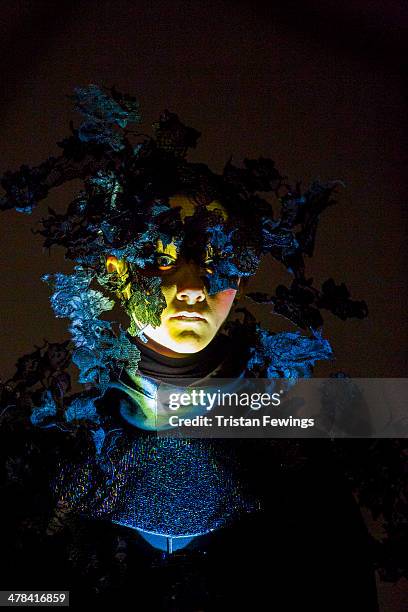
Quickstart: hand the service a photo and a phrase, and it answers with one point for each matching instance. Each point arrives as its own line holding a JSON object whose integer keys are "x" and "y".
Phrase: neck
{"x": 163, "y": 350}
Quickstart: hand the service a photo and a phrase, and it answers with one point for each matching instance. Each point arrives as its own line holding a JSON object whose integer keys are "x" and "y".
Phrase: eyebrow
{"x": 209, "y": 253}
{"x": 160, "y": 248}
{"x": 167, "y": 254}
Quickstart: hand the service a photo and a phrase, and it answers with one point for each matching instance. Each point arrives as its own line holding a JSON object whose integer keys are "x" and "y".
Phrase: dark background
{"x": 317, "y": 86}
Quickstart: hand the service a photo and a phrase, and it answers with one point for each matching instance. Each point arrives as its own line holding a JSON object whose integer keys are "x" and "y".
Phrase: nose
{"x": 190, "y": 287}
{"x": 190, "y": 296}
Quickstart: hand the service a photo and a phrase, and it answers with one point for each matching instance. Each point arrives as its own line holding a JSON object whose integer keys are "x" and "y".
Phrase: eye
{"x": 209, "y": 267}
{"x": 165, "y": 262}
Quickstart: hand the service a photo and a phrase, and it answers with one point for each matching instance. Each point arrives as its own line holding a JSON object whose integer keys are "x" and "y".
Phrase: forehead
{"x": 188, "y": 206}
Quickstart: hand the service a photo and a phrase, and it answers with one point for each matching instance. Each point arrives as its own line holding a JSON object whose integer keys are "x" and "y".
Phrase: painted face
{"x": 191, "y": 318}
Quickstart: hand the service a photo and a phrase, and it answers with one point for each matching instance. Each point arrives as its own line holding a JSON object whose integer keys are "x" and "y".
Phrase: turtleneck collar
{"x": 197, "y": 365}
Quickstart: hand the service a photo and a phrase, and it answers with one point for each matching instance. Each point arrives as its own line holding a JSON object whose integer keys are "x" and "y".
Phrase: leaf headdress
{"x": 123, "y": 210}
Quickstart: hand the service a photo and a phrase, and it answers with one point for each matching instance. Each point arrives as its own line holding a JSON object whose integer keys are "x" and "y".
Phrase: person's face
{"x": 191, "y": 318}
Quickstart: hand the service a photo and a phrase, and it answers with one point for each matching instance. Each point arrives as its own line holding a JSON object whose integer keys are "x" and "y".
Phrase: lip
{"x": 189, "y": 316}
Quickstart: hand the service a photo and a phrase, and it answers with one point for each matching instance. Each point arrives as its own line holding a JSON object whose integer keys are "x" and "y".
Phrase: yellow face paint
{"x": 120, "y": 267}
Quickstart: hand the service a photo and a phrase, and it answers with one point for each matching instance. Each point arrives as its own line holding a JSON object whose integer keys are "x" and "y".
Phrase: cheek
{"x": 223, "y": 301}
{"x": 169, "y": 291}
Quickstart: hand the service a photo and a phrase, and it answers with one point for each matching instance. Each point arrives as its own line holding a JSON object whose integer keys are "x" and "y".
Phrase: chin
{"x": 189, "y": 346}
{"x": 189, "y": 349}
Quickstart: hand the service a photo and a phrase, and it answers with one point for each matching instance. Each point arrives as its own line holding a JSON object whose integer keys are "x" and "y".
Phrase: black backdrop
{"x": 317, "y": 86}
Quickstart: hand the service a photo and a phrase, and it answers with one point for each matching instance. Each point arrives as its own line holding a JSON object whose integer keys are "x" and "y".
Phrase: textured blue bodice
{"x": 162, "y": 485}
